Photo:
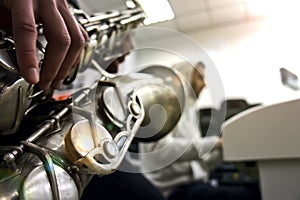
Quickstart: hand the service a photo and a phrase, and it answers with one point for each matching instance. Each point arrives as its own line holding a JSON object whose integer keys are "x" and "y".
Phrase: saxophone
{"x": 52, "y": 148}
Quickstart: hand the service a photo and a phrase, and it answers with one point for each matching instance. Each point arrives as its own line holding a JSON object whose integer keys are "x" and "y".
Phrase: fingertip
{"x": 31, "y": 75}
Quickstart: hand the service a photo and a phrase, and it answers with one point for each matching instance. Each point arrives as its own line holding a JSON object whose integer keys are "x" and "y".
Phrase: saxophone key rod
{"x": 47, "y": 125}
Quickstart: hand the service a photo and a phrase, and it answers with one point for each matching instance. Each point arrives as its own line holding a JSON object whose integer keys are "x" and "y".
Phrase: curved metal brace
{"x": 48, "y": 165}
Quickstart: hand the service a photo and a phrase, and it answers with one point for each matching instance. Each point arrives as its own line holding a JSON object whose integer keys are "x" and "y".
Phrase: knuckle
{"x": 28, "y": 27}
{"x": 63, "y": 40}
{"x": 78, "y": 41}
{"x": 51, "y": 3}
{"x": 28, "y": 53}
{"x": 61, "y": 3}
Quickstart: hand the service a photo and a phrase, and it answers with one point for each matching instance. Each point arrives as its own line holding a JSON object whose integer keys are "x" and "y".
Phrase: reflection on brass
{"x": 79, "y": 141}
{"x": 162, "y": 111}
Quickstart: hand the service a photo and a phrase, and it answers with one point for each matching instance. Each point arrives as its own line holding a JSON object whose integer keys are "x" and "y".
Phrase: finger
{"x": 58, "y": 39}
{"x": 71, "y": 74}
{"x": 24, "y": 27}
{"x": 77, "y": 44}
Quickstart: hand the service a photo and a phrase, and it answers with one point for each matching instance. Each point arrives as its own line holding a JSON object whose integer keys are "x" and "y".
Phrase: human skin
{"x": 65, "y": 38}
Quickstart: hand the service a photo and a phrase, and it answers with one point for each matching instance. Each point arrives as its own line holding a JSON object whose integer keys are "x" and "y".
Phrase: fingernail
{"x": 44, "y": 85}
{"x": 57, "y": 84}
{"x": 32, "y": 75}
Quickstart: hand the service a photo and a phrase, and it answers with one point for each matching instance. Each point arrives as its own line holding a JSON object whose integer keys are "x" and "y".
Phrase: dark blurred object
{"x": 235, "y": 106}
{"x": 210, "y": 122}
{"x": 74, "y": 3}
{"x": 227, "y": 173}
